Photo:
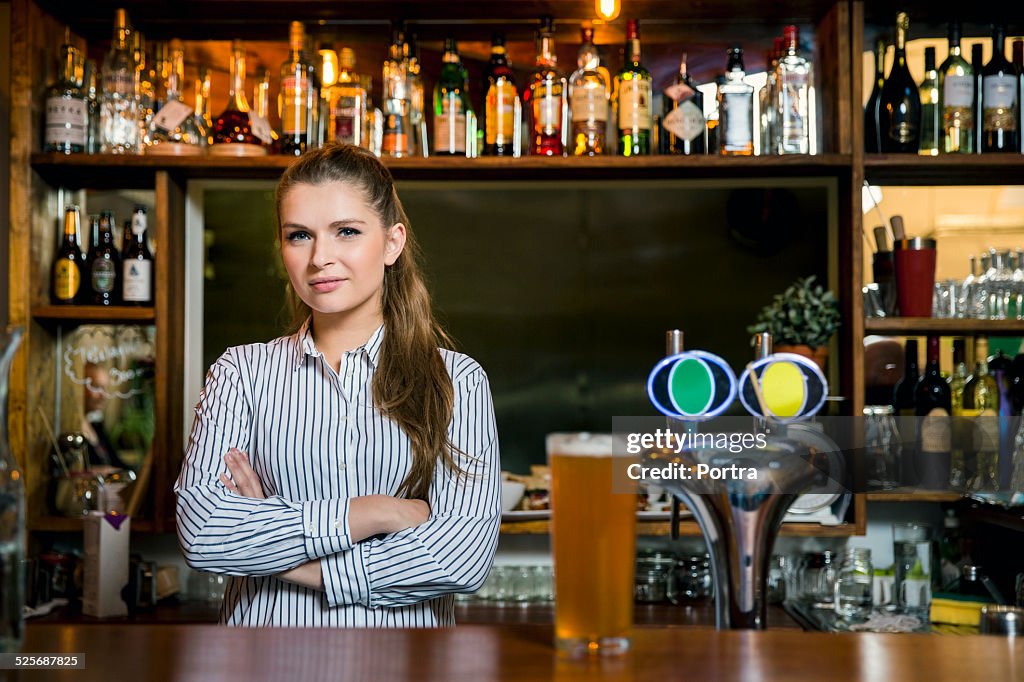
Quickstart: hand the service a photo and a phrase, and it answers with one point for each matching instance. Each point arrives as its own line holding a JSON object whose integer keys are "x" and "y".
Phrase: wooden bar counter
{"x": 480, "y": 653}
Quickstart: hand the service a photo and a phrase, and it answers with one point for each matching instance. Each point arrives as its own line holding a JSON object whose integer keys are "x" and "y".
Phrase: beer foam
{"x": 580, "y": 444}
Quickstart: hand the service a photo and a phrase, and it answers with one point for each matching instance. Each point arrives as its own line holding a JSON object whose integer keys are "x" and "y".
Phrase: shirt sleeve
{"x": 223, "y": 532}
{"x": 453, "y": 550}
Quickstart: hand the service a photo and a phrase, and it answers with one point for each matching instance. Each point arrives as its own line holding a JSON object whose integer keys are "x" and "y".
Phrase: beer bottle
{"x": 104, "y": 263}
{"x": 136, "y": 262}
{"x": 66, "y": 274}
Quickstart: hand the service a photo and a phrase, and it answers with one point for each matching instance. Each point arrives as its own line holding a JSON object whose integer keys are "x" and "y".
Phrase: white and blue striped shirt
{"x": 315, "y": 440}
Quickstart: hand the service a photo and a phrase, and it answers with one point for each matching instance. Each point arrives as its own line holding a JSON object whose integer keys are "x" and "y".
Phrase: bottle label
{"x": 958, "y": 92}
{"x": 935, "y": 431}
{"x": 67, "y": 121}
{"x": 677, "y": 92}
{"x": 138, "y": 223}
{"x": 260, "y": 127}
{"x": 103, "y": 275}
{"x": 293, "y": 104}
{"x": 396, "y": 136}
{"x": 685, "y": 121}
{"x": 999, "y": 92}
{"x": 66, "y": 280}
{"x": 171, "y": 115}
{"x": 635, "y": 104}
{"x": 501, "y": 113}
{"x": 590, "y": 104}
{"x": 450, "y": 126}
{"x": 348, "y": 104}
{"x": 739, "y": 132}
{"x": 547, "y": 110}
{"x": 138, "y": 280}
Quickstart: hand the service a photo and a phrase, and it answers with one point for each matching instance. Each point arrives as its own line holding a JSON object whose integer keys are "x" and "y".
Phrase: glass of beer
{"x": 593, "y": 539}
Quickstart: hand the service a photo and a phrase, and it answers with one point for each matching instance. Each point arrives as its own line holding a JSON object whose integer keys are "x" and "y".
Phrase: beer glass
{"x": 593, "y": 541}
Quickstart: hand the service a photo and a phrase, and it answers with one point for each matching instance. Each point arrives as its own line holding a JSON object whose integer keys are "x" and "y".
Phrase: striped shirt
{"x": 315, "y": 440}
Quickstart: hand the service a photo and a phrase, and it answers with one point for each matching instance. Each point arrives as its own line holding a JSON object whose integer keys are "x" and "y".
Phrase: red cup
{"x": 915, "y": 276}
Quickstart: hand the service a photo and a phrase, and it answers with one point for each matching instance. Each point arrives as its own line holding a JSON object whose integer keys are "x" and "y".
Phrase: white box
{"x": 106, "y": 564}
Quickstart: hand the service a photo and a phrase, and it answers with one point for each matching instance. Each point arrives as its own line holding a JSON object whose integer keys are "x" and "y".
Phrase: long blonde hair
{"x": 411, "y": 385}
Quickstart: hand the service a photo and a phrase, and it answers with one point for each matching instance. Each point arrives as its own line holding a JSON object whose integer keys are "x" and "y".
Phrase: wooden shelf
{"x": 909, "y": 495}
{"x": 947, "y": 169}
{"x": 687, "y": 528}
{"x": 65, "y": 524}
{"x": 101, "y": 171}
{"x": 95, "y": 314}
{"x": 912, "y": 326}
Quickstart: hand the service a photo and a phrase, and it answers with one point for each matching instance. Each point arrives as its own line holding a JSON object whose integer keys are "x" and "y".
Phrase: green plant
{"x": 802, "y": 314}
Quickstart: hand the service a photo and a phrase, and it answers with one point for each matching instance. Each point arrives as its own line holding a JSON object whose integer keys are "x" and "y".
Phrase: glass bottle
{"x": 103, "y": 264}
{"x": 999, "y": 99}
{"x": 545, "y": 97}
{"x": 633, "y": 98}
{"x": 977, "y": 66}
{"x": 67, "y": 109}
{"x": 854, "y": 582}
{"x": 957, "y": 385}
{"x": 417, "y": 100}
{"x": 137, "y": 265}
{"x": 397, "y": 100}
{"x": 202, "y": 98}
{"x": 981, "y": 401}
{"x": 589, "y": 92}
{"x": 767, "y": 97}
{"x": 903, "y": 391}
{"x": 502, "y": 106}
{"x": 93, "y": 138}
{"x": 347, "y": 102}
{"x": 930, "y": 107}
{"x": 174, "y": 129}
{"x": 12, "y": 515}
{"x": 119, "y": 103}
{"x": 232, "y": 131}
{"x": 453, "y": 135}
{"x": 162, "y": 73}
{"x": 683, "y": 120}
{"x": 66, "y": 272}
{"x": 259, "y": 118}
{"x": 872, "y": 133}
{"x": 899, "y": 114}
{"x": 145, "y": 87}
{"x": 736, "y": 109}
{"x": 1018, "y": 66}
{"x": 792, "y": 103}
{"x": 956, "y": 84}
{"x": 298, "y": 98}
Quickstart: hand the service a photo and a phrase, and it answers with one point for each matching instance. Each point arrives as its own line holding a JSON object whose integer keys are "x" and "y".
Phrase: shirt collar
{"x": 306, "y": 347}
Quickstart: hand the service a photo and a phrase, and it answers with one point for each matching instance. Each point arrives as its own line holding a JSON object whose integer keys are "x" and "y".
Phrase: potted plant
{"x": 801, "y": 320}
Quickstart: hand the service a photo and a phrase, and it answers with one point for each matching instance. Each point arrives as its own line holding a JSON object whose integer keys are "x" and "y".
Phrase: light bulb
{"x": 328, "y": 67}
{"x": 607, "y": 9}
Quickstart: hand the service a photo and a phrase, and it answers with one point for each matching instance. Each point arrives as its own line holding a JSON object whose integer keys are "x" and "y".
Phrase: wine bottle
{"x": 103, "y": 263}
{"x": 903, "y": 393}
{"x": 977, "y": 66}
{"x": 67, "y": 115}
{"x": 958, "y": 378}
{"x": 872, "y": 133}
{"x": 961, "y": 432}
{"x": 933, "y": 404}
{"x": 930, "y": 108}
{"x": 545, "y": 98}
{"x": 633, "y": 101}
{"x": 981, "y": 401}
{"x": 137, "y": 262}
{"x": 956, "y": 83}
{"x": 932, "y": 395}
{"x": 66, "y": 272}
{"x": 999, "y": 99}
{"x": 1018, "y": 66}
{"x": 119, "y": 103}
{"x": 900, "y": 109}
{"x": 502, "y": 105}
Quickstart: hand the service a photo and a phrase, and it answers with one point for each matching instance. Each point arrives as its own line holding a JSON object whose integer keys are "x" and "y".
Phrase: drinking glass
{"x": 593, "y": 541}
{"x": 912, "y": 550}
{"x": 853, "y": 589}
{"x": 881, "y": 446}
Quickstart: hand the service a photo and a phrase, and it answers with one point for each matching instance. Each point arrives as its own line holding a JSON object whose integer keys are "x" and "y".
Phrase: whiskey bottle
{"x": 347, "y": 102}
{"x": 137, "y": 265}
{"x": 67, "y": 110}
{"x": 502, "y": 105}
{"x": 736, "y": 109}
{"x": 545, "y": 98}
{"x": 589, "y": 92}
{"x": 259, "y": 117}
{"x": 103, "y": 264}
{"x": 397, "y": 100}
{"x": 299, "y": 98}
{"x": 232, "y": 131}
{"x": 66, "y": 272}
{"x": 119, "y": 103}
{"x": 453, "y": 134}
{"x": 683, "y": 120}
{"x": 174, "y": 129}
{"x": 956, "y": 88}
{"x": 633, "y": 98}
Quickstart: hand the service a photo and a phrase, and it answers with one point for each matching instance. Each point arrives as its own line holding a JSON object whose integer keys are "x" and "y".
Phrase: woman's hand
{"x": 245, "y": 481}
{"x": 371, "y": 515}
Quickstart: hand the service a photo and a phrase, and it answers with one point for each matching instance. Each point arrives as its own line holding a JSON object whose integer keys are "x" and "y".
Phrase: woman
{"x": 347, "y": 474}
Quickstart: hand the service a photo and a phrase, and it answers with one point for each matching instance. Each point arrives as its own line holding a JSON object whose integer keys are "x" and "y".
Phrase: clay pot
{"x": 819, "y": 354}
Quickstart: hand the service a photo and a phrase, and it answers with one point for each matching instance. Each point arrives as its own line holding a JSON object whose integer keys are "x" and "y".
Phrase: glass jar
{"x": 819, "y": 577}
{"x": 691, "y": 579}
{"x": 881, "y": 447}
{"x": 853, "y": 597}
{"x": 653, "y": 573}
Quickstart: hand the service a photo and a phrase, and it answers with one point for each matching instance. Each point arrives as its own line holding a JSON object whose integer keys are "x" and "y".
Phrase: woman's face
{"x": 335, "y": 249}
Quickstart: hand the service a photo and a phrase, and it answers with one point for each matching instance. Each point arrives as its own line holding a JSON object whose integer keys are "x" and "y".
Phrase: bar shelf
{"x": 95, "y": 314}
{"x": 945, "y": 169}
{"x": 914, "y": 326}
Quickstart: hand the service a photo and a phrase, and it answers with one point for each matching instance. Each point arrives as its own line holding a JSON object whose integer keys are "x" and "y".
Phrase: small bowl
{"x": 511, "y": 494}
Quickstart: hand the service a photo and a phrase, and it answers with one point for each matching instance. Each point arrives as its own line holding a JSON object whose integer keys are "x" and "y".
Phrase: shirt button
{"x": 341, "y": 466}
{"x": 312, "y": 529}
{"x": 338, "y": 524}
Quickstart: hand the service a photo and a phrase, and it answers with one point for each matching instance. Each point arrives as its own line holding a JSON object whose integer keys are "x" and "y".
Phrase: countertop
{"x": 480, "y": 653}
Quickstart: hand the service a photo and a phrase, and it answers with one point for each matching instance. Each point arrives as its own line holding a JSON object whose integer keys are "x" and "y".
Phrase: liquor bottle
{"x": 956, "y": 85}
{"x": 501, "y": 102}
{"x": 683, "y": 120}
{"x": 453, "y": 134}
{"x": 633, "y": 98}
{"x": 930, "y": 107}
{"x": 259, "y": 117}
{"x": 67, "y": 110}
{"x": 999, "y": 99}
{"x": 981, "y": 401}
{"x": 145, "y": 87}
{"x": 872, "y": 133}
{"x": 932, "y": 394}
{"x": 589, "y": 92}
{"x": 202, "y": 98}
{"x": 545, "y": 97}
{"x": 162, "y": 73}
{"x": 977, "y": 66}
{"x": 736, "y": 109}
{"x": 103, "y": 264}
{"x": 137, "y": 262}
{"x": 174, "y": 129}
{"x": 119, "y": 103}
{"x": 958, "y": 378}
{"x": 397, "y": 100}
{"x": 66, "y": 272}
{"x": 232, "y": 131}
{"x": 1018, "y": 66}
{"x": 792, "y": 93}
{"x": 961, "y": 435}
{"x": 347, "y": 102}
{"x": 93, "y": 138}
{"x": 899, "y": 113}
{"x": 298, "y": 99}
{"x": 767, "y": 98}
{"x": 903, "y": 392}
{"x": 417, "y": 100}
